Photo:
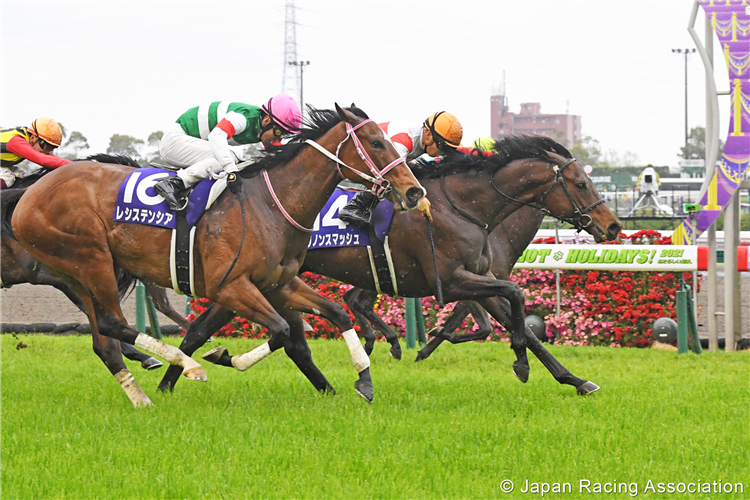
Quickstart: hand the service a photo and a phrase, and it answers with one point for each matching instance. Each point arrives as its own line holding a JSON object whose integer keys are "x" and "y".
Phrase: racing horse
{"x": 270, "y": 207}
{"x": 469, "y": 197}
{"x": 19, "y": 266}
{"x": 507, "y": 243}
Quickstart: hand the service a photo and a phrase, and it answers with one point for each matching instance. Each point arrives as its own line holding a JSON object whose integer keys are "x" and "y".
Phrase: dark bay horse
{"x": 65, "y": 221}
{"x": 507, "y": 243}
{"x": 469, "y": 197}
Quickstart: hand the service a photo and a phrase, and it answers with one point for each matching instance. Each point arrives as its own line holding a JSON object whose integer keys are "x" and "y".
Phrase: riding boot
{"x": 359, "y": 211}
{"x": 173, "y": 190}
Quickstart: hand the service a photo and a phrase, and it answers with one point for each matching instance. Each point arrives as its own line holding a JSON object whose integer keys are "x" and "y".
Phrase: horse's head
{"x": 374, "y": 162}
{"x": 568, "y": 194}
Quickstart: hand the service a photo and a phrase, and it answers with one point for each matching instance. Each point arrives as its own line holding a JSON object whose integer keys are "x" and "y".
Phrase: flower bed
{"x": 612, "y": 308}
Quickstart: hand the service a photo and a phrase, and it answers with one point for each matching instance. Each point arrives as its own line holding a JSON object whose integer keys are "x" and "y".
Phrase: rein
{"x": 581, "y": 214}
{"x": 380, "y": 185}
{"x": 577, "y": 221}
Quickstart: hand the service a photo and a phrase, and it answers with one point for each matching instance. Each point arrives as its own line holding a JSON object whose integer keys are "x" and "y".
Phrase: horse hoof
{"x": 196, "y": 373}
{"x": 368, "y": 348}
{"x": 151, "y": 363}
{"x": 421, "y": 356}
{"x": 521, "y": 371}
{"x": 363, "y": 386}
{"x": 215, "y": 354}
{"x": 144, "y": 403}
{"x": 587, "y": 388}
{"x": 396, "y": 352}
{"x": 436, "y": 332}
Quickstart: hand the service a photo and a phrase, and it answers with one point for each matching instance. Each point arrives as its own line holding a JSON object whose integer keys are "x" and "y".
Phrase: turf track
{"x": 453, "y": 426}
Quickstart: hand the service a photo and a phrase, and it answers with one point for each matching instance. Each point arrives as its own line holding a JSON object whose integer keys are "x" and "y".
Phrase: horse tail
{"x": 125, "y": 282}
{"x": 8, "y": 201}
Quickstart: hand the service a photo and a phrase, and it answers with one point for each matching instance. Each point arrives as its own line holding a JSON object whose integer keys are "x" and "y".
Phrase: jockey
{"x": 34, "y": 143}
{"x": 483, "y": 145}
{"x": 440, "y": 134}
{"x": 198, "y": 143}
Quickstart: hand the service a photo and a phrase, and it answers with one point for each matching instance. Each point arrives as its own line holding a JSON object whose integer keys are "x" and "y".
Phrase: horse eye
{"x": 581, "y": 185}
{"x": 376, "y": 144}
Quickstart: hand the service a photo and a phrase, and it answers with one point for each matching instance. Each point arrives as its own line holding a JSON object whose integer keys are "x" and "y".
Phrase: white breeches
{"x": 7, "y": 175}
{"x": 193, "y": 155}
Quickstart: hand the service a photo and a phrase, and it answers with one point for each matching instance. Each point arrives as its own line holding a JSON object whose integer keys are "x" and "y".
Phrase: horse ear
{"x": 344, "y": 115}
{"x": 353, "y": 105}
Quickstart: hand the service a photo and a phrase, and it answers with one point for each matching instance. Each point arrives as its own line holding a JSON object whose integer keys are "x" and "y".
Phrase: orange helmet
{"x": 446, "y": 129}
{"x": 48, "y": 130}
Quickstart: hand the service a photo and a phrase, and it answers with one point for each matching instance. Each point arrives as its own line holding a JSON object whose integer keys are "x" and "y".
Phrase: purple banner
{"x": 731, "y": 22}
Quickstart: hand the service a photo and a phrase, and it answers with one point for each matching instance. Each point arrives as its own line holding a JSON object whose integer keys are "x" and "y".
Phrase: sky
{"x": 113, "y": 67}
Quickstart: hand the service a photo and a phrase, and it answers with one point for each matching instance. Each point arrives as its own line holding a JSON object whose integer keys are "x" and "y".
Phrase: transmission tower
{"x": 290, "y": 78}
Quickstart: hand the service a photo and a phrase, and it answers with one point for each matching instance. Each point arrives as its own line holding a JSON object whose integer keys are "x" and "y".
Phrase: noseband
{"x": 581, "y": 220}
{"x": 380, "y": 185}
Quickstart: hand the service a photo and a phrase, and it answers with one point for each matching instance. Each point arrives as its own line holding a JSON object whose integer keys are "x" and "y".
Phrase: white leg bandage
{"x": 169, "y": 353}
{"x": 132, "y": 389}
{"x": 245, "y": 361}
{"x": 359, "y": 357}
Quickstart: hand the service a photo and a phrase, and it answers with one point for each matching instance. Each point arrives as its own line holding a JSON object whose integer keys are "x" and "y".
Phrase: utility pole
{"x": 289, "y": 77}
{"x": 301, "y": 65}
{"x": 686, "y": 52}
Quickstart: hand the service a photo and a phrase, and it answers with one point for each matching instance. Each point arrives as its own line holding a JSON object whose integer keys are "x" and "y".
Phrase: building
{"x": 565, "y": 129}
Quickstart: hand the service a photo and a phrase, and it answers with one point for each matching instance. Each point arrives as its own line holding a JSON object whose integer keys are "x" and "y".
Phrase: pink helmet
{"x": 285, "y": 112}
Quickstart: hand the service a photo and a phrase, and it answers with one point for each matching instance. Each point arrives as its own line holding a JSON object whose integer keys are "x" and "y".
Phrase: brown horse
{"x": 467, "y": 204}
{"x": 19, "y": 266}
{"x": 65, "y": 221}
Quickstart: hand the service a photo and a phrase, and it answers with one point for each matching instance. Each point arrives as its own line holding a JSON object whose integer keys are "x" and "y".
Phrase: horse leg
{"x": 147, "y": 362}
{"x": 487, "y": 291}
{"x": 197, "y": 334}
{"x": 242, "y": 296}
{"x": 351, "y": 298}
{"x": 460, "y": 311}
{"x": 363, "y": 308}
{"x": 98, "y": 289}
{"x": 161, "y": 302}
{"x": 367, "y": 305}
{"x": 108, "y": 351}
{"x": 561, "y": 374}
{"x": 300, "y": 297}
{"x": 298, "y": 351}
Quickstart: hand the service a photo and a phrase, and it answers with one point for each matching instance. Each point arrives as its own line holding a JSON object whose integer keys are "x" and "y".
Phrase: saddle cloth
{"x": 330, "y": 232}
{"x": 138, "y": 203}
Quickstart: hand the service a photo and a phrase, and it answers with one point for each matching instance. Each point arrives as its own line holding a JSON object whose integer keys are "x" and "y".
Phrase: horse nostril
{"x": 415, "y": 194}
{"x": 614, "y": 230}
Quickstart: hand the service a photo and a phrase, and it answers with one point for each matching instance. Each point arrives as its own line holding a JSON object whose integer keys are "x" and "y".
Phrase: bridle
{"x": 380, "y": 185}
{"x": 581, "y": 220}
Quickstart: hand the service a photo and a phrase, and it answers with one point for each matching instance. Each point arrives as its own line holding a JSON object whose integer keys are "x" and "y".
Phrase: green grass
{"x": 453, "y": 426}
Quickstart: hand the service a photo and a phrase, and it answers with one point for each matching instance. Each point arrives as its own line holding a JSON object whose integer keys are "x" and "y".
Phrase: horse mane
{"x": 314, "y": 126}
{"x": 507, "y": 149}
{"x": 116, "y": 159}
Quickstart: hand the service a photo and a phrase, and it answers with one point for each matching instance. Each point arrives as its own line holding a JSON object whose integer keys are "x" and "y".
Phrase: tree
{"x": 153, "y": 144}
{"x": 125, "y": 145}
{"x": 588, "y": 152}
{"x": 76, "y": 143}
{"x": 696, "y": 145}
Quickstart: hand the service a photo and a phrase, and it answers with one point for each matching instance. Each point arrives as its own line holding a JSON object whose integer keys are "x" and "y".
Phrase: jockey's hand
{"x": 424, "y": 207}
